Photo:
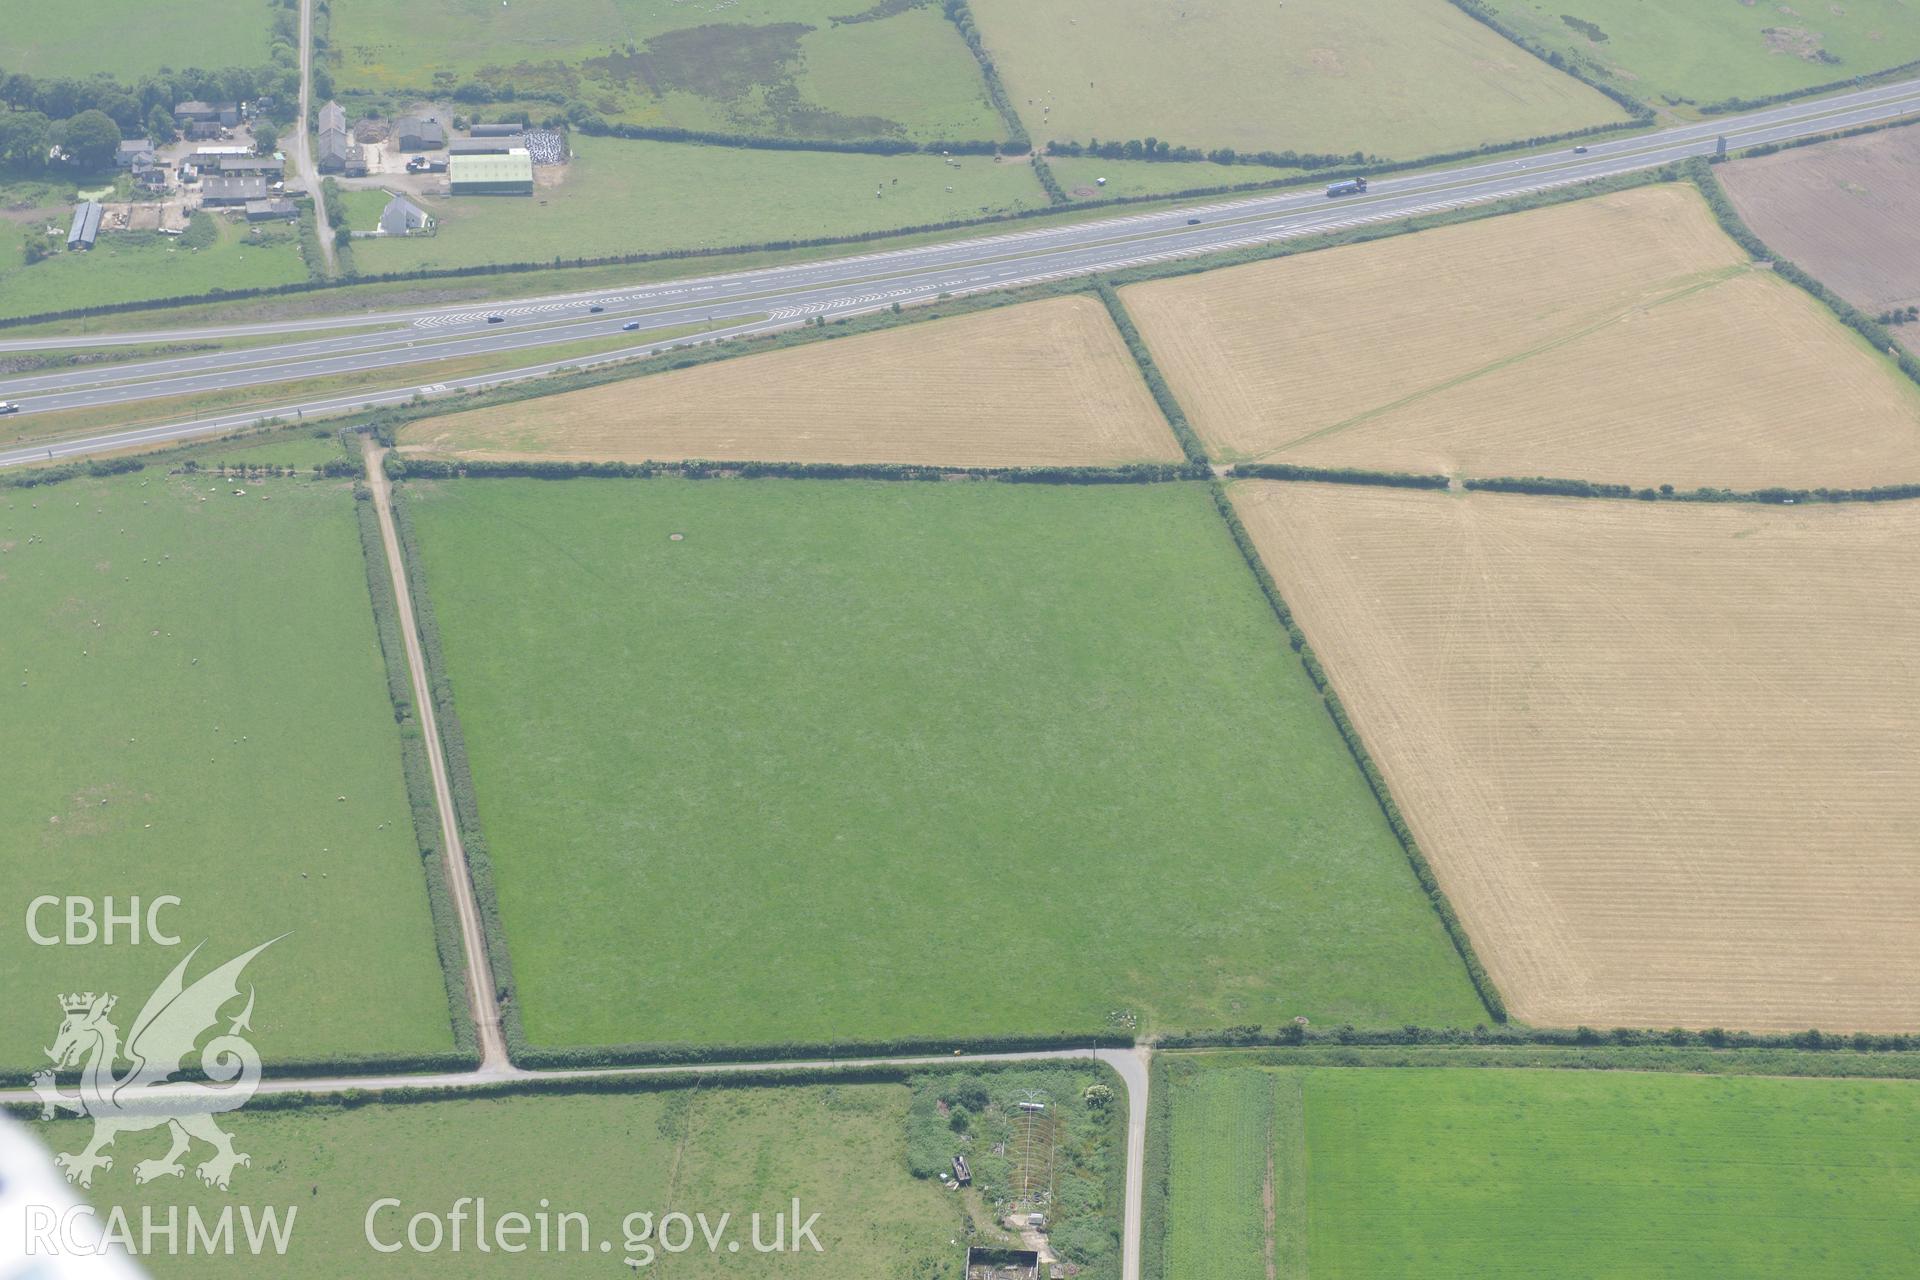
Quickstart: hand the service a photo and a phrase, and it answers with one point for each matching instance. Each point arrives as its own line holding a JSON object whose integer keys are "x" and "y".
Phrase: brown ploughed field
{"x": 1846, "y": 210}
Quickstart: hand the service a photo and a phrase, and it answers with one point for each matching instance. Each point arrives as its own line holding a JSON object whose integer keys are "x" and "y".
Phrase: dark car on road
{"x": 631, "y": 325}
{"x": 595, "y": 310}
{"x": 496, "y": 319}
{"x": 8, "y": 406}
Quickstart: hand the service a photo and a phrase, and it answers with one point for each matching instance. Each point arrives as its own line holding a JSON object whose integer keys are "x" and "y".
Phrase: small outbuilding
{"x": 500, "y": 145}
{"x": 505, "y": 129}
{"x": 277, "y": 209}
{"x": 419, "y": 133}
{"x": 134, "y": 153}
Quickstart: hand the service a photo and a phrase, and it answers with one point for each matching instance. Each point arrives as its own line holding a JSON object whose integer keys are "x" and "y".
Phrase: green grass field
{"x": 779, "y": 68}
{"x": 199, "y": 681}
{"x": 634, "y": 197}
{"x": 1396, "y": 78}
{"x": 301, "y": 447}
{"x": 1488, "y": 1172}
{"x": 1674, "y": 54}
{"x": 907, "y": 759}
{"x": 126, "y": 40}
{"x": 134, "y": 266}
{"x": 839, "y": 1148}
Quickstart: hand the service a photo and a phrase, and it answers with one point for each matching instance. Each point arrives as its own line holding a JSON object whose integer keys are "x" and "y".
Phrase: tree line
{"x": 88, "y": 118}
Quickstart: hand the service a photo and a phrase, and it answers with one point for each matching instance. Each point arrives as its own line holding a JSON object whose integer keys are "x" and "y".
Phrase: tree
{"x": 160, "y": 126}
{"x": 92, "y": 138}
{"x": 266, "y": 138}
{"x": 23, "y": 138}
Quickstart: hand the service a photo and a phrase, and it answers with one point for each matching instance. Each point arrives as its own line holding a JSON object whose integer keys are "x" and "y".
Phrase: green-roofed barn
{"x": 492, "y": 175}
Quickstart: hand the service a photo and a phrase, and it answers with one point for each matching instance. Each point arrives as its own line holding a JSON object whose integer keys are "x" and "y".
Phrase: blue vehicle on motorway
{"x": 1351, "y": 187}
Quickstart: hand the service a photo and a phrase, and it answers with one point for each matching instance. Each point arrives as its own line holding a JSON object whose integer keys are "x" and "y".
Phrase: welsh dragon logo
{"x": 145, "y": 1096}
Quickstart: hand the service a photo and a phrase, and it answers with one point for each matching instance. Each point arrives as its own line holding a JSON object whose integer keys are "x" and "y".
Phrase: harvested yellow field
{"x": 1041, "y": 384}
{"x": 1620, "y": 339}
{"x": 1665, "y": 759}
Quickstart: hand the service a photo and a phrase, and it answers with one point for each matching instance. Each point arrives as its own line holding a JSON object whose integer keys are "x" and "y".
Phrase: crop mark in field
{"x": 1720, "y": 276}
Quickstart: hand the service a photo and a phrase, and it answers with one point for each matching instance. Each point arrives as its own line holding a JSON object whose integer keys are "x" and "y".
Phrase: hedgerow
{"x": 417, "y": 773}
{"x": 1422, "y": 869}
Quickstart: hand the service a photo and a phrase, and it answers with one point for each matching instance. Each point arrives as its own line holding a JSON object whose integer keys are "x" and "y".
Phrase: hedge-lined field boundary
{"x": 453, "y": 744}
{"x": 1163, "y": 396}
{"x": 431, "y": 468}
{"x": 1416, "y": 859}
{"x": 1777, "y": 496}
{"x": 670, "y": 1054}
{"x": 417, "y": 772}
{"x": 1517, "y": 1035}
{"x": 1156, "y": 1181}
{"x": 1486, "y": 17}
{"x": 762, "y": 142}
{"x": 1836, "y": 1061}
{"x": 1728, "y": 105}
{"x": 961, "y": 16}
{"x": 652, "y": 1082}
{"x": 1700, "y": 172}
{"x": 1338, "y": 475}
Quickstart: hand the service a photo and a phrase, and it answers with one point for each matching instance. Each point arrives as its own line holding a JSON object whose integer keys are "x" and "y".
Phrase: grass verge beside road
{"x": 35, "y": 428}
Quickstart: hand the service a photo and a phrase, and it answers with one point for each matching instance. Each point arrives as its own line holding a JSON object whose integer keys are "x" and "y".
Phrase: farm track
{"x": 787, "y": 296}
{"x": 303, "y": 141}
{"x": 485, "y": 1000}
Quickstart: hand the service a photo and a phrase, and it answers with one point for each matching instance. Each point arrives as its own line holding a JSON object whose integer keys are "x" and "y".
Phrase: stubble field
{"x": 906, "y": 760}
{"x": 1044, "y": 383}
{"x": 1355, "y": 1174}
{"x": 1397, "y": 78}
{"x": 198, "y": 707}
{"x": 1620, "y": 339}
{"x": 1844, "y": 211}
{"x": 1665, "y": 758}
